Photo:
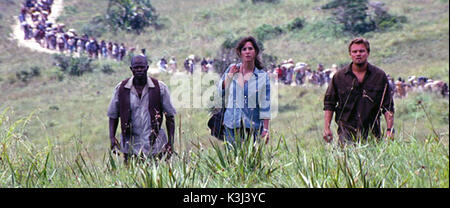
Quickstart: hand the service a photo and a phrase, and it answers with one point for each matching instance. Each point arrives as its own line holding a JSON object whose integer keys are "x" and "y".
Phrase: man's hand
{"x": 327, "y": 135}
{"x": 167, "y": 149}
{"x": 390, "y": 134}
{"x": 113, "y": 123}
{"x": 114, "y": 144}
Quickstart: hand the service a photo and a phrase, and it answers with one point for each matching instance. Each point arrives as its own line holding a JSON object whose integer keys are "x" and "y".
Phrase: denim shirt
{"x": 250, "y": 103}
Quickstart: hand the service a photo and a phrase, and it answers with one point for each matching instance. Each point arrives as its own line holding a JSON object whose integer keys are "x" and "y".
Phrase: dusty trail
{"x": 57, "y": 9}
{"x": 19, "y": 35}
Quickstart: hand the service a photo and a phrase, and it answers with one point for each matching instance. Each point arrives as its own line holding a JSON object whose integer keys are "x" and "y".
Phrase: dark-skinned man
{"x": 141, "y": 102}
{"x": 358, "y": 94}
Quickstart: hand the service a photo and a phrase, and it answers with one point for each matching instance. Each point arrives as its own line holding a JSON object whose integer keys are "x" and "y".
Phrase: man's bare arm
{"x": 327, "y": 134}
{"x": 389, "y": 116}
{"x": 113, "y": 123}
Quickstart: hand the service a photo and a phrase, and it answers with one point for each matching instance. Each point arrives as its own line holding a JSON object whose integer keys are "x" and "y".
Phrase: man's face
{"x": 359, "y": 54}
{"x": 139, "y": 66}
{"x": 139, "y": 71}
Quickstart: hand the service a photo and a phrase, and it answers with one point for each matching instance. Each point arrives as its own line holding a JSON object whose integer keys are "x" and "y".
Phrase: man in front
{"x": 140, "y": 102}
{"x": 358, "y": 94}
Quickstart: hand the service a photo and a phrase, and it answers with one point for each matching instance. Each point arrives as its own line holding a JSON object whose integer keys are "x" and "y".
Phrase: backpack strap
{"x": 155, "y": 109}
{"x": 125, "y": 109}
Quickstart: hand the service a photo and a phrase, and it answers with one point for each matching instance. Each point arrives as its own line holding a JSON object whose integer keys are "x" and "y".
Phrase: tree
{"x": 352, "y": 14}
{"x": 360, "y": 16}
{"x": 131, "y": 15}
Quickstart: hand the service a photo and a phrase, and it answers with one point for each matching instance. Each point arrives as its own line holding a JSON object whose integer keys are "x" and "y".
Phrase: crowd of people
{"x": 301, "y": 74}
{"x": 36, "y": 25}
{"x": 206, "y": 64}
{"x": 418, "y": 84}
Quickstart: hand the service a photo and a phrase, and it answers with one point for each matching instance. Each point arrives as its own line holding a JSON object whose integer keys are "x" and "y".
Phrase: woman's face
{"x": 248, "y": 52}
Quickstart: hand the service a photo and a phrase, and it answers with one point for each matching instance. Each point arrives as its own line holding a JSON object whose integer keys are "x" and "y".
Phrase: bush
{"x": 324, "y": 29}
{"x": 360, "y": 16}
{"x": 73, "y": 66}
{"x": 62, "y": 62}
{"x": 26, "y": 75}
{"x": 296, "y": 24}
{"x": 267, "y": 32}
{"x": 35, "y": 71}
{"x": 78, "y": 66}
{"x": 23, "y": 75}
{"x": 383, "y": 20}
{"x": 131, "y": 15}
{"x": 95, "y": 28}
{"x": 56, "y": 74}
{"x": 107, "y": 69}
{"x": 230, "y": 42}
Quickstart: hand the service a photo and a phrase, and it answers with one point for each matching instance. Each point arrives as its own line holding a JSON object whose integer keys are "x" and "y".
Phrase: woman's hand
{"x": 234, "y": 69}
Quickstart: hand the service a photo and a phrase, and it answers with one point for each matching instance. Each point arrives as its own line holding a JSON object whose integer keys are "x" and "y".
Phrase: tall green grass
{"x": 53, "y": 130}
{"x": 399, "y": 163}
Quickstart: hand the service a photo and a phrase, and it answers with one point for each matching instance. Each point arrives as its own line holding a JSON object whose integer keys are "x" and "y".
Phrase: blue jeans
{"x": 241, "y": 134}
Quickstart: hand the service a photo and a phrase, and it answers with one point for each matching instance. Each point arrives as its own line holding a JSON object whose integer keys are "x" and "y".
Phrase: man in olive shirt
{"x": 359, "y": 94}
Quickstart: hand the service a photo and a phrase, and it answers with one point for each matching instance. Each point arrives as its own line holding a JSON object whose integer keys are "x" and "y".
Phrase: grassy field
{"x": 286, "y": 162}
{"x": 54, "y": 133}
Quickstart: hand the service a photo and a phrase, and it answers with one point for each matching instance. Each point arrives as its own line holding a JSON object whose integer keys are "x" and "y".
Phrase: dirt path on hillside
{"x": 19, "y": 35}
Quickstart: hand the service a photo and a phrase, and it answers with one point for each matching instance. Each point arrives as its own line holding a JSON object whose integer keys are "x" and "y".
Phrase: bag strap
{"x": 155, "y": 109}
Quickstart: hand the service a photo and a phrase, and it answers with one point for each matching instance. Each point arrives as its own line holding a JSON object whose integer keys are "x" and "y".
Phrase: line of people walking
{"x": 301, "y": 74}
{"x": 34, "y": 22}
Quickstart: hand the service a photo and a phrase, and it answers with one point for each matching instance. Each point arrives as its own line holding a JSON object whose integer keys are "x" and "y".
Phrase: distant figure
{"x": 203, "y": 64}
{"x": 444, "y": 90}
{"x": 279, "y": 73}
{"x": 23, "y": 14}
{"x": 60, "y": 42}
{"x": 172, "y": 65}
{"x": 122, "y": 51}
{"x": 115, "y": 51}
{"x": 358, "y": 94}
{"x": 109, "y": 47}
{"x": 400, "y": 89}
{"x": 141, "y": 102}
{"x": 28, "y": 30}
{"x": 163, "y": 64}
{"x": 186, "y": 65}
{"x": 104, "y": 49}
{"x": 189, "y": 65}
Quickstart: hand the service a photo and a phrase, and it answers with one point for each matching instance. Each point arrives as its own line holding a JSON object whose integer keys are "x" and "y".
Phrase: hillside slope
{"x": 76, "y": 106}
